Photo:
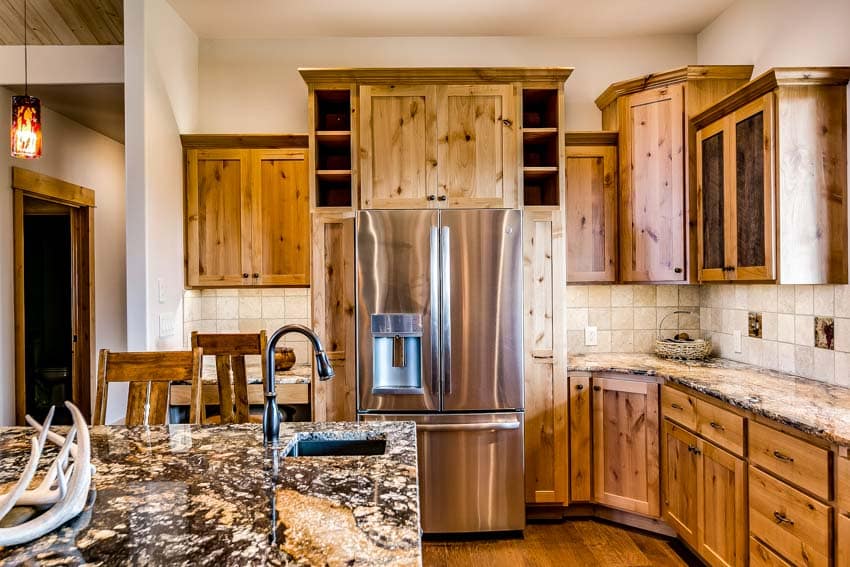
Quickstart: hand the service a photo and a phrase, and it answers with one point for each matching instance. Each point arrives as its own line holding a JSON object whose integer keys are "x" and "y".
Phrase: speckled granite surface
{"x": 214, "y": 495}
{"x": 301, "y": 373}
{"x": 812, "y": 407}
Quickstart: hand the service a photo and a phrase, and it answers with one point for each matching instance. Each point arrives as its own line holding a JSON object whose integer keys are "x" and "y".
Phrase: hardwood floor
{"x": 561, "y": 544}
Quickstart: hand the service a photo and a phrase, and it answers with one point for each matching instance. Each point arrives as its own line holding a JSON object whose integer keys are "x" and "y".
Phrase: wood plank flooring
{"x": 561, "y": 544}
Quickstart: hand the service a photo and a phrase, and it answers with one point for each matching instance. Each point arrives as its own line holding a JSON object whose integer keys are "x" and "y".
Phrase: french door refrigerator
{"x": 439, "y": 332}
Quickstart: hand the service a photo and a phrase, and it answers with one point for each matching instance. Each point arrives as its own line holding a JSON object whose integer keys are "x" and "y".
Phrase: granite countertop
{"x": 301, "y": 373}
{"x": 813, "y": 407}
{"x": 213, "y": 495}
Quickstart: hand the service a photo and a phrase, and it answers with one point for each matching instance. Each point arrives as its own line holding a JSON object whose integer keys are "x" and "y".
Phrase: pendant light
{"x": 25, "y": 134}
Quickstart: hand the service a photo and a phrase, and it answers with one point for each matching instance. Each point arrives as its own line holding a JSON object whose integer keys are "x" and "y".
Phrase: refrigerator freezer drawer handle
{"x": 446, "y": 306}
{"x": 497, "y": 425}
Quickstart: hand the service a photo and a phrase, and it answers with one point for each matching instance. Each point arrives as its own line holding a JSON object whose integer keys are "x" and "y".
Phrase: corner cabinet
{"x": 657, "y": 206}
{"x": 772, "y": 180}
{"x": 438, "y": 145}
{"x": 247, "y": 218}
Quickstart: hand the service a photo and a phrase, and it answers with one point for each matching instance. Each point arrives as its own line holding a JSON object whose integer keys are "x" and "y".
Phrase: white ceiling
{"x": 267, "y": 19}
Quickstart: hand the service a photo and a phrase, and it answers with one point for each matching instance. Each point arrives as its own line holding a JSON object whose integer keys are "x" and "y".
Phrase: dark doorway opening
{"x": 48, "y": 308}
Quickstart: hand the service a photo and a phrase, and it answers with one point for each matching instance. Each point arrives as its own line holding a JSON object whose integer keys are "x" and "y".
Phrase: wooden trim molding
{"x": 664, "y": 78}
{"x": 601, "y": 138}
{"x": 438, "y": 75}
{"x": 51, "y": 188}
{"x": 243, "y": 141}
{"x": 767, "y": 82}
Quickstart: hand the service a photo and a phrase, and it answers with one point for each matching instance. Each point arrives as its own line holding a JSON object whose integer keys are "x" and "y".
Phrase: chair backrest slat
{"x": 230, "y": 350}
{"x": 150, "y": 375}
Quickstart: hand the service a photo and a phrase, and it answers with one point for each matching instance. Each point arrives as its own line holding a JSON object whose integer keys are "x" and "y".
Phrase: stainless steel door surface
{"x": 481, "y": 309}
{"x": 471, "y": 472}
{"x": 397, "y": 261}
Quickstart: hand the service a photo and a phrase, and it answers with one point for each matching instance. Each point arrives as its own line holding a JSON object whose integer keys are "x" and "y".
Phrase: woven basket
{"x": 697, "y": 349}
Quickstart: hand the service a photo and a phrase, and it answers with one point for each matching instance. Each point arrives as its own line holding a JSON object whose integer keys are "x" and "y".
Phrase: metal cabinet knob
{"x": 256, "y": 275}
{"x": 442, "y": 198}
{"x": 431, "y": 197}
{"x": 597, "y": 388}
{"x": 579, "y": 386}
{"x": 245, "y": 275}
{"x": 677, "y": 270}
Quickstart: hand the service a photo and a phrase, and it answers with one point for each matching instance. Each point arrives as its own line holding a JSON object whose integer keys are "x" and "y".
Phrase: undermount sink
{"x": 337, "y": 447}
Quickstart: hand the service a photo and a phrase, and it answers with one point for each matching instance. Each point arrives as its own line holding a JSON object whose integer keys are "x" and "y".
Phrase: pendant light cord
{"x": 26, "y": 70}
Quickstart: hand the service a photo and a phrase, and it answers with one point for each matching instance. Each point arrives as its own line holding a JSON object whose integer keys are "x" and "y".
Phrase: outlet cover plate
{"x": 591, "y": 336}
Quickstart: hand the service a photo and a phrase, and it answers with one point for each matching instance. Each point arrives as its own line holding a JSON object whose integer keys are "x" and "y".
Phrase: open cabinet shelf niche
{"x": 540, "y": 147}
{"x": 333, "y": 148}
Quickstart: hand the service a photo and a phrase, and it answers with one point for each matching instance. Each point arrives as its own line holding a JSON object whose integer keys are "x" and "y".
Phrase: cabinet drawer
{"x": 762, "y": 556}
{"x": 678, "y": 406}
{"x": 842, "y": 483}
{"x": 721, "y": 426}
{"x": 795, "y": 525}
{"x": 790, "y": 458}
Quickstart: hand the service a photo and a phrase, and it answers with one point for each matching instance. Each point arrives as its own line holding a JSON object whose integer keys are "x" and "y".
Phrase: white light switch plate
{"x": 166, "y": 325}
{"x": 591, "y": 336}
{"x": 737, "y": 341}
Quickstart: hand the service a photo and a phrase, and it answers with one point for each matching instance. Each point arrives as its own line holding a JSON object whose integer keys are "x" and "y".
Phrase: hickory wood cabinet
{"x": 772, "y": 180}
{"x": 591, "y": 206}
{"x": 438, "y": 145}
{"x": 657, "y": 203}
{"x": 247, "y": 219}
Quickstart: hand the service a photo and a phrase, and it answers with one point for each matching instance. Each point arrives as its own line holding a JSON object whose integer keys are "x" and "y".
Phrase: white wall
{"x": 253, "y": 85}
{"x": 62, "y": 64}
{"x": 766, "y": 34}
{"x": 161, "y": 70}
{"x": 76, "y": 154}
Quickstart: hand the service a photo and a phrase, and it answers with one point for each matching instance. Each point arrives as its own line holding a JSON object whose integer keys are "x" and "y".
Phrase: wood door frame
{"x": 26, "y": 183}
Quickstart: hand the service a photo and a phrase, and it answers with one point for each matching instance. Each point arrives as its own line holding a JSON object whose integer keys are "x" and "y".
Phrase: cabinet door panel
{"x": 281, "y": 211}
{"x": 723, "y": 517}
{"x": 680, "y": 472}
{"x": 712, "y": 203}
{"x": 625, "y": 445}
{"x": 398, "y": 146}
{"x": 591, "y": 182}
{"x": 751, "y": 128}
{"x": 476, "y": 133}
{"x": 218, "y": 229}
{"x": 580, "y": 448}
{"x": 546, "y": 471}
{"x": 652, "y": 162}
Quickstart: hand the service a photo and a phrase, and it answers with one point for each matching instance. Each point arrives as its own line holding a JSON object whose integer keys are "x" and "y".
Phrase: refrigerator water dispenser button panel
{"x": 397, "y": 353}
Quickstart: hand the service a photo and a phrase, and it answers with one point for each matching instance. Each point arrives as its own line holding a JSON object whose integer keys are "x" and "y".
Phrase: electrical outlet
{"x": 737, "y": 341}
{"x": 591, "y": 336}
{"x": 166, "y": 325}
{"x": 160, "y": 289}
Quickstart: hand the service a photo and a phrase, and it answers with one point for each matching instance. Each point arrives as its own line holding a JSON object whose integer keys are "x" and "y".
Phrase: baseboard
{"x": 589, "y": 510}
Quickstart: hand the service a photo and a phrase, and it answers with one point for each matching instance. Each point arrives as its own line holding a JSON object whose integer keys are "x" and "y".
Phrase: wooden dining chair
{"x": 230, "y": 350}
{"x": 150, "y": 375}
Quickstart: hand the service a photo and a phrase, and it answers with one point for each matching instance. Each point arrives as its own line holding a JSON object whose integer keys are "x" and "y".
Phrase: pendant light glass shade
{"x": 26, "y": 127}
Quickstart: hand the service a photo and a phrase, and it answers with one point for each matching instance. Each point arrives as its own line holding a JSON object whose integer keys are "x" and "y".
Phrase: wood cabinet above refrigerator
{"x": 772, "y": 180}
{"x": 657, "y": 212}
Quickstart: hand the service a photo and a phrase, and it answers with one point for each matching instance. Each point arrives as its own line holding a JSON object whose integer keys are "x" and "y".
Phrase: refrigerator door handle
{"x": 446, "y": 308}
{"x": 495, "y": 425}
{"x": 435, "y": 313}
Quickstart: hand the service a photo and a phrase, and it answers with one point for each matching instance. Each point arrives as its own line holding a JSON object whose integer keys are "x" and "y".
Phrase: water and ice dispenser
{"x": 396, "y": 353}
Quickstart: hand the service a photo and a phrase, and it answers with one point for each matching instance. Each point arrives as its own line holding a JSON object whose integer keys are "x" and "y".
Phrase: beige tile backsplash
{"x": 788, "y": 335}
{"x": 628, "y": 316}
{"x": 248, "y": 310}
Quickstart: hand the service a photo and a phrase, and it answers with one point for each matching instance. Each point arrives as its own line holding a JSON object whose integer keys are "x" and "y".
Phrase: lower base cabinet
{"x": 842, "y": 539}
{"x": 704, "y": 496}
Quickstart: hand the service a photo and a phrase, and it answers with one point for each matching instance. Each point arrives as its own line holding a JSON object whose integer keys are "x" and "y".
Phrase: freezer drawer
{"x": 471, "y": 471}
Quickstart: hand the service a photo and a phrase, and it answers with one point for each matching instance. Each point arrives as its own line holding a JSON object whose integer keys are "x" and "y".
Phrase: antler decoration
{"x": 65, "y": 487}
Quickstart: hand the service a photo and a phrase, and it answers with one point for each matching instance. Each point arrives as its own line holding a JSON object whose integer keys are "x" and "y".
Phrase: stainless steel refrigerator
{"x": 439, "y": 327}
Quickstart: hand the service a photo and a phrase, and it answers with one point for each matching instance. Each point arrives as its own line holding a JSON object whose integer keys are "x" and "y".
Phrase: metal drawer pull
{"x": 676, "y": 406}
{"x": 717, "y": 426}
{"x": 500, "y": 425}
{"x": 579, "y": 386}
{"x": 597, "y": 388}
{"x": 782, "y": 457}
{"x": 693, "y": 449}
{"x": 782, "y": 519}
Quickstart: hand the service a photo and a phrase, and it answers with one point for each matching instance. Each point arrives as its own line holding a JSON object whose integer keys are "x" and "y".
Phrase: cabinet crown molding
{"x": 687, "y": 73}
{"x": 437, "y": 75}
{"x": 769, "y": 81}
{"x": 243, "y": 141}
{"x": 591, "y": 138}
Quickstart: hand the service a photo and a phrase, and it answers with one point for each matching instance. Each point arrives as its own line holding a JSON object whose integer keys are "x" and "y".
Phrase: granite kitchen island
{"x": 213, "y": 495}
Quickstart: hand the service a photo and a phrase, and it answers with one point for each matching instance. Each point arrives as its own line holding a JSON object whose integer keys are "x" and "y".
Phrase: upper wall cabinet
{"x": 437, "y": 137}
{"x": 247, "y": 217}
{"x": 772, "y": 180}
{"x": 657, "y": 189}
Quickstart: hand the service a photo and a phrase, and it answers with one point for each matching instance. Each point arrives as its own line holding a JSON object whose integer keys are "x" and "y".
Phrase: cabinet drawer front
{"x": 721, "y": 426}
{"x": 790, "y": 458}
{"x": 678, "y": 406}
{"x": 795, "y": 525}
{"x": 842, "y": 483}
{"x": 762, "y": 556}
